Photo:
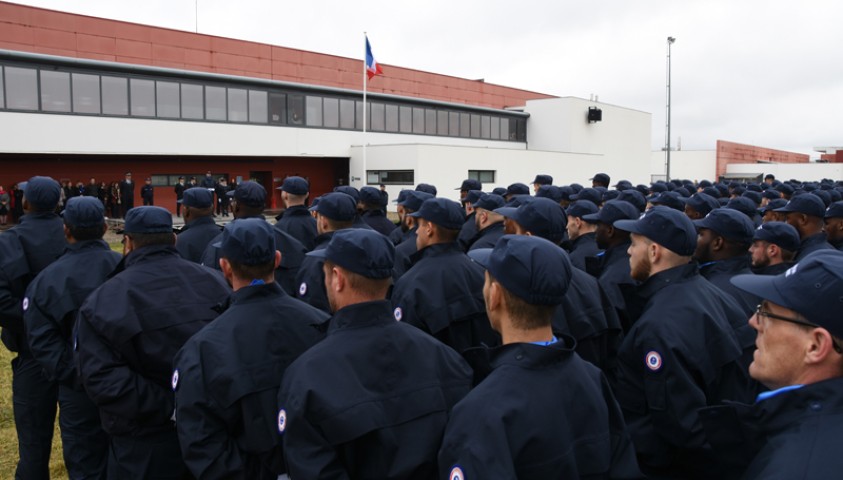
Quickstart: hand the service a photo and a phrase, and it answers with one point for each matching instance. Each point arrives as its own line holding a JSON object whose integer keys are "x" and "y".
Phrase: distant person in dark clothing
{"x": 774, "y": 246}
{"x": 805, "y": 212}
{"x": 127, "y": 194}
{"x": 199, "y": 227}
{"x": 179, "y": 189}
{"x": 223, "y": 201}
{"x": 581, "y": 234}
{"x": 373, "y": 213}
{"x": 834, "y": 225}
{"x": 148, "y": 193}
{"x": 296, "y": 219}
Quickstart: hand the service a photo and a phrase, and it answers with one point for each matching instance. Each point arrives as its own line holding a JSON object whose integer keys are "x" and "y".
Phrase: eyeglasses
{"x": 763, "y": 313}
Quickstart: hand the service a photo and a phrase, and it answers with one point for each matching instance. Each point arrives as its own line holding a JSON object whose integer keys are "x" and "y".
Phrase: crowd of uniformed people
{"x": 670, "y": 330}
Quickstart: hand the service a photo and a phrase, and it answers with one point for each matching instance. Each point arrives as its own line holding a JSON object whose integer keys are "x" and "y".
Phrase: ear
{"x": 225, "y": 266}
{"x": 277, "y": 258}
{"x": 773, "y": 250}
{"x": 717, "y": 243}
{"x": 495, "y": 299}
{"x": 654, "y": 251}
{"x": 820, "y": 346}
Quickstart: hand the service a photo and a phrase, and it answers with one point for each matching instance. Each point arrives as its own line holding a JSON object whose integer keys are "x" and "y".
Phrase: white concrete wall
{"x": 622, "y": 137}
{"x": 686, "y": 164}
{"x": 786, "y": 171}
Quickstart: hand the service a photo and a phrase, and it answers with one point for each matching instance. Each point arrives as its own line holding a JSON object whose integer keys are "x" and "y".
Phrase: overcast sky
{"x": 762, "y": 72}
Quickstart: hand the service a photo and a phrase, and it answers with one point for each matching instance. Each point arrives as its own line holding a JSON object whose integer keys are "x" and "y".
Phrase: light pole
{"x": 670, "y": 41}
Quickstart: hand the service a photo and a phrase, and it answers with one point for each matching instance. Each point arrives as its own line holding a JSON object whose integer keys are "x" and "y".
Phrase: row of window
{"x": 407, "y": 177}
{"x": 93, "y": 93}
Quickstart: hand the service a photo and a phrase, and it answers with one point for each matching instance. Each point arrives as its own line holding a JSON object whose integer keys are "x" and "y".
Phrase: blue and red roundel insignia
{"x": 302, "y": 289}
{"x": 282, "y": 420}
{"x": 175, "y": 379}
{"x": 456, "y": 473}
{"x": 398, "y": 313}
{"x": 653, "y": 361}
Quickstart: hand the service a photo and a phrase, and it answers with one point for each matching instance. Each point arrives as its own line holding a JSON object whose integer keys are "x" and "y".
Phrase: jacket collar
{"x": 366, "y": 314}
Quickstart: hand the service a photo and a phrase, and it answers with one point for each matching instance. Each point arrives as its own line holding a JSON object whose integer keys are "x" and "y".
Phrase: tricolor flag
{"x": 372, "y": 66}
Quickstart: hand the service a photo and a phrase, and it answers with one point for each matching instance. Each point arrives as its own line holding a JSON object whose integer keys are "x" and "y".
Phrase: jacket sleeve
{"x": 46, "y": 340}
{"x": 14, "y": 270}
{"x": 109, "y": 381}
{"x": 475, "y": 448}
{"x": 206, "y": 445}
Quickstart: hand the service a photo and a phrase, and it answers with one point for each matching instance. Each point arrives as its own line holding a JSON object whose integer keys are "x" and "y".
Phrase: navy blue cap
{"x": 578, "y": 209}
{"x": 702, "y": 203}
{"x": 806, "y": 204}
{"x": 442, "y": 212}
{"x": 489, "y": 201}
{"x": 773, "y": 205}
{"x": 531, "y": 268}
{"x": 658, "y": 187}
{"x": 402, "y": 195}
{"x": 771, "y": 193}
{"x": 601, "y": 177}
{"x": 472, "y": 196}
{"x": 634, "y": 197}
{"x": 148, "y": 219}
{"x": 644, "y": 189}
{"x": 576, "y": 187}
{"x": 414, "y": 200}
{"x": 84, "y": 212}
{"x": 248, "y": 241}
{"x": 623, "y": 185}
{"x": 589, "y": 194}
{"x": 834, "y": 210}
{"x": 543, "y": 180}
{"x": 754, "y": 196}
{"x": 824, "y": 196}
{"x": 540, "y": 216}
{"x": 518, "y": 189}
{"x": 249, "y": 193}
{"x": 613, "y": 211}
{"x": 550, "y": 191}
{"x": 784, "y": 188}
{"x": 349, "y": 190}
{"x": 743, "y": 205}
{"x": 43, "y": 193}
{"x": 470, "y": 184}
{"x": 729, "y": 224}
{"x": 361, "y": 251}
{"x": 835, "y": 196}
{"x": 370, "y": 196}
{"x": 337, "y": 206}
{"x": 813, "y": 288}
{"x": 666, "y": 226}
{"x": 314, "y": 203}
{"x": 712, "y": 192}
{"x": 499, "y": 191}
{"x": 778, "y": 233}
{"x": 611, "y": 195}
{"x": 754, "y": 187}
{"x": 198, "y": 198}
{"x": 426, "y": 188}
{"x": 668, "y": 199}
{"x": 518, "y": 200}
{"x": 704, "y": 183}
{"x": 567, "y": 192}
{"x": 295, "y": 186}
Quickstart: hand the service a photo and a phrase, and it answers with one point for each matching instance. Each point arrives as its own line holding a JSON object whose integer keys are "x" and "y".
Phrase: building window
{"x": 405, "y": 119}
{"x": 392, "y": 118}
{"x": 485, "y": 126}
{"x": 215, "y": 106}
{"x": 418, "y": 120}
{"x": 475, "y": 126}
{"x": 55, "y": 91}
{"x": 2, "y": 90}
{"x": 22, "y": 88}
{"x": 171, "y": 179}
{"x": 430, "y": 121}
{"x": 238, "y": 107}
{"x": 167, "y": 99}
{"x": 442, "y": 123}
{"x": 453, "y": 124}
{"x": 390, "y": 177}
{"x": 192, "y": 104}
{"x": 482, "y": 176}
{"x": 496, "y": 128}
{"x": 313, "y": 114}
{"x": 115, "y": 96}
{"x": 347, "y": 114}
{"x": 277, "y": 108}
{"x": 258, "y": 109}
{"x": 295, "y": 109}
{"x": 377, "y": 117}
{"x": 86, "y": 93}
{"x": 143, "y": 97}
{"x": 331, "y": 115}
{"x": 465, "y": 125}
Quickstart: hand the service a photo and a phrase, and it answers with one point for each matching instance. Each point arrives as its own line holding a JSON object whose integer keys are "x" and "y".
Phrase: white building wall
{"x": 686, "y": 164}
{"x": 786, "y": 171}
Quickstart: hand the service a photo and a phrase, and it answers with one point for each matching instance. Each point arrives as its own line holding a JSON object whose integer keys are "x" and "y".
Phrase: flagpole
{"x": 365, "y": 80}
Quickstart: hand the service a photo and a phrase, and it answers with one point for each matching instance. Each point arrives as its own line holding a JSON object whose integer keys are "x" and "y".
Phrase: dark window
{"x": 390, "y": 177}
{"x": 430, "y": 121}
{"x": 295, "y": 109}
{"x": 496, "y": 128}
{"x": 347, "y": 114}
{"x": 55, "y": 91}
{"x": 313, "y": 116}
{"x": 238, "y": 107}
{"x": 485, "y": 126}
{"x": 465, "y": 125}
{"x": 86, "y": 93}
{"x": 521, "y": 129}
{"x": 331, "y": 109}
{"x": 454, "y": 124}
{"x": 392, "y": 118}
{"x": 21, "y": 88}
{"x": 115, "y": 96}
{"x": 418, "y": 120}
{"x": 2, "y": 97}
{"x": 215, "y": 108}
{"x": 167, "y": 99}
{"x": 377, "y": 112}
{"x": 192, "y": 103}
{"x": 483, "y": 176}
{"x": 143, "y": 97}
{"x": 505, "y": 129}
{"x": 405, "y": 119}
{"x": 257, "y": 106}
{"x": 277, "y": 108}
{"x": 442, "y": 122}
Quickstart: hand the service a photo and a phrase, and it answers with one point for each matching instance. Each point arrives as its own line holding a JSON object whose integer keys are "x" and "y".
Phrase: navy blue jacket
{"x": 298, "y": 222}
{"x": 53, "y": 300}
{"x": 407, "y": 248}
{"x": 25, "y": 250}
{"x": 195, "y": 236}
{"x": 292, "y": 256}
{"x": 810, "y": 244}
{"x": 794, "y": 434}
{"x": 371, "y": 400}
{"x": 542, "y": 412}
{"x": 583, "y": 247}
{"x": 689, "y": 349}
{"x": 129, "y": 330}
{"x": 147, "y": 193}
{"x": 468, "y": 233}
{"x": 378, "y": 221}
{"x": 721, "y": 271}
{"x": 442, "y": 294}
{"x": 773, "y": 269}
{"x": 228, "y": 379}
{"x": 611, "y": 268}
{"x": 488, "y": 237}
{"x": 398, "y": 235}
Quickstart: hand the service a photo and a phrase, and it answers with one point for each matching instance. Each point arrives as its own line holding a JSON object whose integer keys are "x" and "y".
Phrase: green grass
{"x": 8, "y": 436}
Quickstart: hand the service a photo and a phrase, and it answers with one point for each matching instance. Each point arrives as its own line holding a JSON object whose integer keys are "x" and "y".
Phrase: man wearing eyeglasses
{"x": 793, "y": 430}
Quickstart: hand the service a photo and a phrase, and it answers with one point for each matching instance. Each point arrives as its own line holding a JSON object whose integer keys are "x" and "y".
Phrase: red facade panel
{"x": 730, "y": 152}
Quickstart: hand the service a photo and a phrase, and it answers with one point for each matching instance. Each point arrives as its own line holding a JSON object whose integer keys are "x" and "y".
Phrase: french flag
{"x": 372, "y": 66}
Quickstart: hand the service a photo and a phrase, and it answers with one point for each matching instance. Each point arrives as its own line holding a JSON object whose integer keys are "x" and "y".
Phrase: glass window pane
{"x": 377, "y": 117}
{"x": 418, "y": 120}
{"x": 115, "y": 96}
{"x": 313, "y": 115}
{"x": 513, "y": 129}
{"x": 21, "y": 88}
{"x": 143, "y": 97}
{"x": 442, "y": 122}
{"x": 215, "y": 108}
{"x": 521, "y": 129}
{"x": 55, "y": 91}
{"x": 295, "y": 108}
{"x": 465, "y": 124}
{"x": 277, "y": 108}
{"x": 504, "y": 129}
{"x": 496, "y": 128}
{"x": 485, "y": 126}
{"x": 167, "y": 99}
{"x": 392, "y": 118}
{"x": 331, "y": 108}
{"x": 454, "y": 124}
{"x": 347, "y": 114}
{"x": 359, "y": 116}
{"x": 475, "y": 126}
{"x": 406, "y": 119}
{"x": 238, "y": 108}
{"x": 430, "y": 121}
{"x": 86, "y": 93}
{"x": 2, "y": 98}
{"x": 192, "y": 105}
{"x": 257, "y": 106}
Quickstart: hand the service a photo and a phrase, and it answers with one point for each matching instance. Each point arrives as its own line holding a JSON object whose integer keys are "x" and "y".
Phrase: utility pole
{"x": 670, "y": 41}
